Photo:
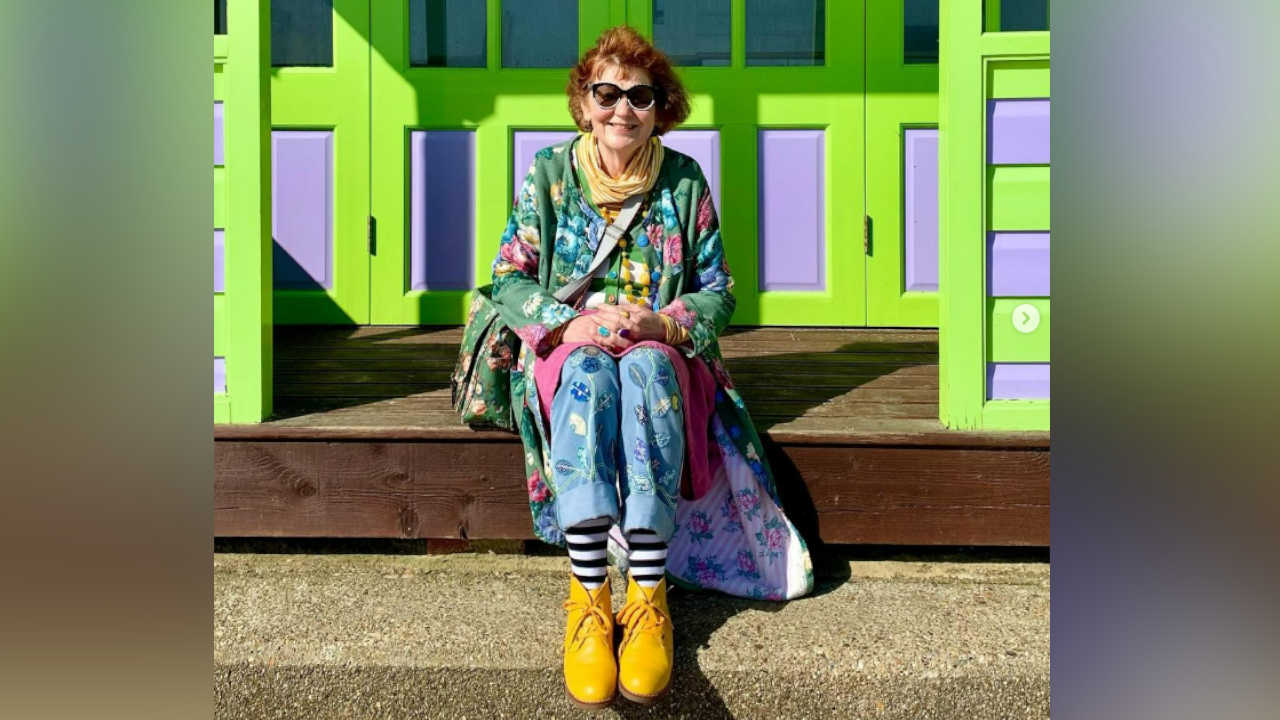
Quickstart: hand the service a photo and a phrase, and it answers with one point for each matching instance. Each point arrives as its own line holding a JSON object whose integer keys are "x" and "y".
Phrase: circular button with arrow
{"x": 1026, "y": 318}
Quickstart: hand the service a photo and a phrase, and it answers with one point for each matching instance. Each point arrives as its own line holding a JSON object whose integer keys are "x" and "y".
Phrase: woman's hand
{"x": 586, "y": 329}
{"x": 639, "y": 322}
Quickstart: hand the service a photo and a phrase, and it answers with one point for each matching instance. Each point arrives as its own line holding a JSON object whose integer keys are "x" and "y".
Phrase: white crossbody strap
{"x": 612, "y": 234}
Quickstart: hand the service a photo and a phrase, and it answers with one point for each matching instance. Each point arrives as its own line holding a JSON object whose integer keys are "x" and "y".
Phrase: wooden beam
{"x": 474, "y": 490}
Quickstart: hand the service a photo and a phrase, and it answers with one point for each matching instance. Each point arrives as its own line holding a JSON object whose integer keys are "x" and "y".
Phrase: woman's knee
{"x": 593, "y": 364}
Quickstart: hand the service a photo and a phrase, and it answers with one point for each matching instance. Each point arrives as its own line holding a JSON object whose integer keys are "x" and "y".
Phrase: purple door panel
{"x": 1018, "y": 132}
{"x": 1014, "y": 381}
{"x": 1019, "y": 265}
{"x": 920, "y": 177}
{"x": 442, "y": 209}
{"x": 219, "y": 261}
{"x": 302, "y": 209}
{"x": 792, "y": 236}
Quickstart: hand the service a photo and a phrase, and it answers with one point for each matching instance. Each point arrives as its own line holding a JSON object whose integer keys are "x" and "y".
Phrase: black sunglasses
{"x": 640, "y": 97}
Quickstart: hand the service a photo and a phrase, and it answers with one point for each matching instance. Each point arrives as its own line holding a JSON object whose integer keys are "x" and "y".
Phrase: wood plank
{"x": 423, "y": 490}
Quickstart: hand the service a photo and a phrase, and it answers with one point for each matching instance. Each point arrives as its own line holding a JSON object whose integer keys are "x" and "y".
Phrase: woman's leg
{"x": 584, "y": 440}
{"x": 652, "y": 453}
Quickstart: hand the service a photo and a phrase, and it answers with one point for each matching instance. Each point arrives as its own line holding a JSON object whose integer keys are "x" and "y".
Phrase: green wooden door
{"x": 780, "y": 83}
{"x": 461, "y": 90}
{"x": 320, "y": 156}
{"x": 902, "y": 163}
{"x": 463, "y": 93}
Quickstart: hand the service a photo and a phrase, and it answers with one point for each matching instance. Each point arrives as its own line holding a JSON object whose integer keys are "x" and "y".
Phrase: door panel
{"x": 902, "y": 163}
{"x": 320, "y": 155}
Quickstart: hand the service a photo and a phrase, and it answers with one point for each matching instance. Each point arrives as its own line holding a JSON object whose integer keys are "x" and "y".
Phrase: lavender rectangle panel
{"x": 703, "y": 146}
{"x": 302, "y": 209}
{"x": 792, "y": 187}
{"x": 1015, "y": 381}
{"x": 219, "y": 260}
{"x": 442, "y": 233}
{"x": 527, "y": 144}
{"x": 920, "y": 179}
{"x": 1018, "y": 265}
{"x": 218, "y": 137}
{"x": 219, "y": 375}
{"x": 1018, "y": 132}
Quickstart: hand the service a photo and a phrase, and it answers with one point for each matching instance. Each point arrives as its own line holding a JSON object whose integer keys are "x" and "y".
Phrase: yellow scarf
{"x": 639, "y": 176}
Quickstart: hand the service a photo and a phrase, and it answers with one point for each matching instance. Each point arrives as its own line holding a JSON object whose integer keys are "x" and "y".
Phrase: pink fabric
{"x": 697, "y": 392}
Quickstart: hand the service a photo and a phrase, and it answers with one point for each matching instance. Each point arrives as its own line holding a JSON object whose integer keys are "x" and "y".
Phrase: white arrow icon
{"x": 1026, "y": 318}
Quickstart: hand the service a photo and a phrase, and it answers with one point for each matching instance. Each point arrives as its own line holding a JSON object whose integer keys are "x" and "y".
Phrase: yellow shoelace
{"x": 594, "y": 619}
{"x": 640, "y": 615}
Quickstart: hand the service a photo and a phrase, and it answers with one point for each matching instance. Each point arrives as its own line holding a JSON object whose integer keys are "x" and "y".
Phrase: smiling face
{"x": 621, "y": 129}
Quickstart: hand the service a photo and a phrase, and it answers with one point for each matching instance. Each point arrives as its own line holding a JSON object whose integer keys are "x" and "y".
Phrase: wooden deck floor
{"x": 365, "y": 412}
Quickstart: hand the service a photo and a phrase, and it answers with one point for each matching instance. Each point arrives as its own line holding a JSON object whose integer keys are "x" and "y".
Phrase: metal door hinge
{"x": 372, "y": 235}
{"x": 866, "y": 234}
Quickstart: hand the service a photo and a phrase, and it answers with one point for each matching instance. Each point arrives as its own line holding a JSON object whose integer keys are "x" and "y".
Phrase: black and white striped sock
{"x": 647, "y": 556}
{"x": 588, "y": 551}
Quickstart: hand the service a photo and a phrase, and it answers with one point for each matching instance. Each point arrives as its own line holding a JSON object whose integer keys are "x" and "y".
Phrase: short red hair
{"x": 626, "y": 49}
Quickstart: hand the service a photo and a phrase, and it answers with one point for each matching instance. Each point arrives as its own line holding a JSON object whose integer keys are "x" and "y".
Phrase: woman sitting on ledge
{"x": 625, "y": 409}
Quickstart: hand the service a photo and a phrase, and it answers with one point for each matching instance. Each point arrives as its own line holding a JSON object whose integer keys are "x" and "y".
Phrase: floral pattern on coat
{"x": 696, "y": 290}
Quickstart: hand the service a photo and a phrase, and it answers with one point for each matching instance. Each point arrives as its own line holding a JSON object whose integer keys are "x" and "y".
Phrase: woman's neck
{"x": 612, "y": 162}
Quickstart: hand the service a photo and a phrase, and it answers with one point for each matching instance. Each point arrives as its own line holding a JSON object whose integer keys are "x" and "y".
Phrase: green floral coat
{"x": 714, "y": 547}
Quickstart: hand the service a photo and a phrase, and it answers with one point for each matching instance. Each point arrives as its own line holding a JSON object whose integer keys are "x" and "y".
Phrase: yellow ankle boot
{"x": 648, "y": 644}
{"x": 590, "y": 671}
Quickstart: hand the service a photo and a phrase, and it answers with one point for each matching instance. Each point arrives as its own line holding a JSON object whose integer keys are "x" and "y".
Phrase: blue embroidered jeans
{"x": 610, "y": 415}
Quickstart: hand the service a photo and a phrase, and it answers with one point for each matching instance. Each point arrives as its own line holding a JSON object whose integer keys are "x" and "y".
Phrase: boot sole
{"x": 589, "y": 706}
{"x": 645, "y": 699}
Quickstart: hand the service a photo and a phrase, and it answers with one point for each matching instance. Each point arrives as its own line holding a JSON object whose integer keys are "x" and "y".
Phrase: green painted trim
{"x": 243, "y": 316}
{"x": 219, "y": 83}
{"x": 220, "y": 196}
{"x": 221, "y": 327}
{"x": 1005, "y": 343}
{"x": 1016, "y": 415}
{"x": 221, "y": 409}
{"x": 1019, "y": 198}
{"x": 1018, "y": 79}
{"x": 962, "y": 311}
{"x": 1026, "y": 44}
{"x": 992, "y": 15}
{"x": 219, "y": 49}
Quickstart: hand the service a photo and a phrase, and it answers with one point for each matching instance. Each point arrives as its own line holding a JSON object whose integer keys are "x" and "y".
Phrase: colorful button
{"x": 643, "y": 242}
{"x": 622, "y": 243}
{"x": 613, "y": 275}
{"x": 657, "y": 276}
{"x": 612, "y": 298}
